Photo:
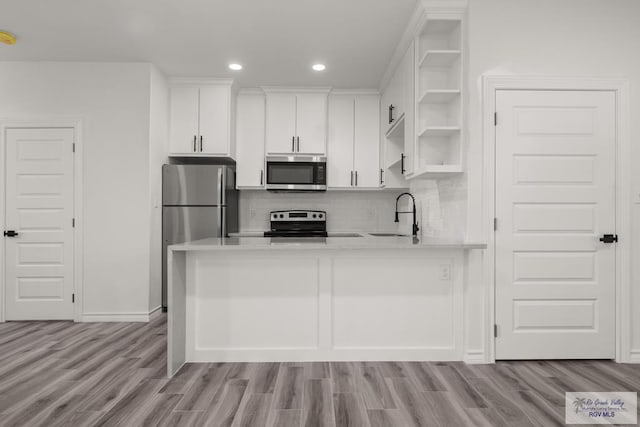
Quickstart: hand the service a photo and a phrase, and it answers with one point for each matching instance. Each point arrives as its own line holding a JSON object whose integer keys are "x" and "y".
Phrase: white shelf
{"x": 436, "y": 171}
{"x": 439, "y": 131}
{"x": 438, "y": 96}
{"x": 397, "y": 128}
{"x": 394, "y": 163}
{"x": 439, "y": 58}
{"x": 440, "y": 26}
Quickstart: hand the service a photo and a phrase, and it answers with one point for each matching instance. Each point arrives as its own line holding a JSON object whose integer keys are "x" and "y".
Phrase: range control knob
{"x": 281, "y": 216}
{"x": 320, "y": 215}
{"x": 314, "y": 215}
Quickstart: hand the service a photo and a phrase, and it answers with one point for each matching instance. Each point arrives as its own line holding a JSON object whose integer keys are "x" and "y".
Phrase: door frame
{"x": 490, "y": 85}
{"x": 78, "y": 230}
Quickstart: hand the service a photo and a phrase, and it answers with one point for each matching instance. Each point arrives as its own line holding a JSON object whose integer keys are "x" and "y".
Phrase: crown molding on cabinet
{"x": 299, "y": 89}
{"x": 355, "y": 92}
{"x": 414, "y": 25}
{"x": 250, "y": 91}
{"x": 197, "y": 81}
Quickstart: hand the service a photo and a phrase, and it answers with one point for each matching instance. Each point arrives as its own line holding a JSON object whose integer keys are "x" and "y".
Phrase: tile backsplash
{"x": 440, "y": 208}
{"x": 346, "y": 210}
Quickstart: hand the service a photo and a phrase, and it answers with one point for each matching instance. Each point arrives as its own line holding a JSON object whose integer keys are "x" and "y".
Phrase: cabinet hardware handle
{"x": 402, "y": 156}
{"x": 11, "y": 233}
{"x": 293, "y": 144}
{"x": 194, "y": 143}
{"x": 391, "y": 108}
{"x": 298, "y": 139}
{"x": 201, "y": 143}
{"x": 356, "y": 178}
{"x": 381, "y": 172}
{"x": 352, "y": 178}
{"x": 261, "y": 177}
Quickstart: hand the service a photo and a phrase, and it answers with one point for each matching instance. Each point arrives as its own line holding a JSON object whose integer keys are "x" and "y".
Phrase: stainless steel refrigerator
{"x": 198, "y": 201}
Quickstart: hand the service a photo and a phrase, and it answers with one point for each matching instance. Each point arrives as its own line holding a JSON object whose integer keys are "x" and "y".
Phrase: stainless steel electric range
{"x": 297, "y": 223}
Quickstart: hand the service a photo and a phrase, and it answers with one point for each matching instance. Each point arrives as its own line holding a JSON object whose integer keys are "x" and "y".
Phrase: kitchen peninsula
{"x": 244, "y": 299}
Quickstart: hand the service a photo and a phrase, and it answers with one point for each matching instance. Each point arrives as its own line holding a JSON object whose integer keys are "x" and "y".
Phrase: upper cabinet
{"x": 250, "y": 126}
{"x": 202, "y": 118}
{"x": 296, "y": 122}
{"x": 353, "y": 143}
{"x": 397, "y": 152}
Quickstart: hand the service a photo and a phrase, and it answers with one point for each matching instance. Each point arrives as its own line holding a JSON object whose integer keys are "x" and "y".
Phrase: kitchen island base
{"x": 298, "y": 304}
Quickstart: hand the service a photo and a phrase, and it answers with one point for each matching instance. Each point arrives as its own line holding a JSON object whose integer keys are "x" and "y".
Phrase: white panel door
{"x": 367, "y": 141}
{"x": 311, "y": 123}
{"x": 340, "y": 144}
{"x": 281, "y": 123}
{"x": 39, "y": 207}
{"x": 250, "y": 140}
{"x": 555, "y": 197}
{"x": 214, "y": 120}
{"x": 183, "y": 133}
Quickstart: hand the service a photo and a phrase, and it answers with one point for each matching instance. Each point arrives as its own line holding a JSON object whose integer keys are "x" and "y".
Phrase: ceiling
{"x": 276, "y": 41}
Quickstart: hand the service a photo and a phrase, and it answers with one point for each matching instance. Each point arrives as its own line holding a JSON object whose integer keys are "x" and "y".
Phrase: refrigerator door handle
{"x": 222, "y": 183}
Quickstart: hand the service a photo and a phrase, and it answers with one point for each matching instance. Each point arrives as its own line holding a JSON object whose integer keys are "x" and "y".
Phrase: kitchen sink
{"x": 388, "y": 235}
{"x": 345, "y": 235}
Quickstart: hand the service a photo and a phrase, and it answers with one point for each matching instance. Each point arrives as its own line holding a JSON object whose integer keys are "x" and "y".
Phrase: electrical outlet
{"x": 445, "y": 272}
{"x": 252, "y": 213}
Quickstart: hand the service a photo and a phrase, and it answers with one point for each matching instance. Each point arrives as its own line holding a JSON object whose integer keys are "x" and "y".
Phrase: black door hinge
{"x": 495, "y": 331}
{"x": 495, "y": 119}
{"x": 73, "y": 298}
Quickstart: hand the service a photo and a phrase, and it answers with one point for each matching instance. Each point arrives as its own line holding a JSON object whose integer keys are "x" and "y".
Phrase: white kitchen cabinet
{"x": 296, "y": 123}
{"x": 408, "y": 97}
{"x": 250, "y": 127}
{"x": 398, "y": 142}
{"x": 354, "y": 138}
{"x": 202, "y": 118}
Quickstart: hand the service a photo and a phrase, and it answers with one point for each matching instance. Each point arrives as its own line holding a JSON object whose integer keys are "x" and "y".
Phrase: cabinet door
{"x": 408, "y": 100}
{"x": 311, "y": 123}
{"x": 340, "y": 141}
{"x": 184, "y": 120}
{"x": 367, "y": 141}
{"x": 214, "y": 120}
{"x": 281, "y": 123}
{"x": 250, "y": 122}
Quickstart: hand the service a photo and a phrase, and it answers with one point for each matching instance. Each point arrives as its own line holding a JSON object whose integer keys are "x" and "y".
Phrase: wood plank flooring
{"x": 113, "y": 374}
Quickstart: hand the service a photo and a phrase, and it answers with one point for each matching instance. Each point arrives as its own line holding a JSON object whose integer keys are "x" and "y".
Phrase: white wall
{"x": 158, "y": 149}
{"x": 113, "y": 101}
{"x": 592, "y": 38}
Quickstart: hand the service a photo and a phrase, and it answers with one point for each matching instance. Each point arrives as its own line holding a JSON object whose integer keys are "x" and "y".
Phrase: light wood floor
{"x": 86, "y": 374}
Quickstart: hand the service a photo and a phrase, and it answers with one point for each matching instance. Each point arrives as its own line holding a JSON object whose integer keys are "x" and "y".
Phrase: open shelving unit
{"x": 439, "y": 96}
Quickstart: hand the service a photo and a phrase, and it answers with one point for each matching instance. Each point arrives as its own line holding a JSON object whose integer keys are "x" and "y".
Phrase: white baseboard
{"x": 473, "y": 357}
{"x": 115, "y": 317}
{"x": 155, "y": 310}
{"x": 634, "y": 356}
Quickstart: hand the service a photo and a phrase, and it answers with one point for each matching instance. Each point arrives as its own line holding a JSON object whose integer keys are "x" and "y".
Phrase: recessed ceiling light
{"x": 318, "y": 67}
{"x": 235, "y": 67}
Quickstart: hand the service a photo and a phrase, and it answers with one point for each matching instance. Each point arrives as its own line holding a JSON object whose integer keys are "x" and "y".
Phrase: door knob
{"x": 609, "y": 238}
{"x": 10, "y": 233}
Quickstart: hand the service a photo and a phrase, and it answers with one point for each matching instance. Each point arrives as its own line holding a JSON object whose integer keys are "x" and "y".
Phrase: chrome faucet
{"x": 415, "y": 221}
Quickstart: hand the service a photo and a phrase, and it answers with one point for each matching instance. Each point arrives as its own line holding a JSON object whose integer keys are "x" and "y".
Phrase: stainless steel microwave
{"x": 296, "y": 173}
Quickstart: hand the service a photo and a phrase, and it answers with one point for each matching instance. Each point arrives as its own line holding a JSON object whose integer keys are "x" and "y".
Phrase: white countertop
{"x": 367, "y": 241}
